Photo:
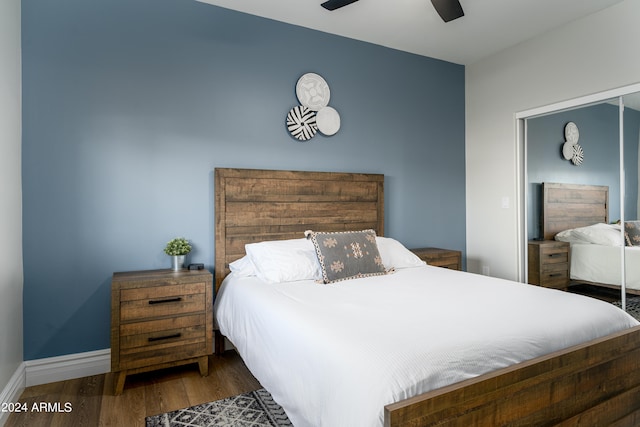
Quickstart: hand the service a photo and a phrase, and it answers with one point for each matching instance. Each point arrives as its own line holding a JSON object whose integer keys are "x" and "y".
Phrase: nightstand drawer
{"x": 167, "y": 301}
{"x": 553, "y": 255}
{"x": 161, "y": 353}
{"x": 555, "y": 278}
{"x": 162, "y": 339}
{"x": 143, "y": 333}
{"x": 158, "y": 338}
{"x": 161, "y": 290}
{"x": 157, "y": 307}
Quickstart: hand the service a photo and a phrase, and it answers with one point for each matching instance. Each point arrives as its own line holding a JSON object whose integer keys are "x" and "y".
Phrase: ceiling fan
{"x": 447, "y": 9}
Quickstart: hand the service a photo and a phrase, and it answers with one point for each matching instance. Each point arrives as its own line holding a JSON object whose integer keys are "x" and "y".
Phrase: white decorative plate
{"x": 301, "y": 123}
{"x": 578, "y": 155}
{"x": 313, "y": 91}
{"x": 567, "y": 150}
{"x": 328, "y": 121}
{"x": 571, "y": 133}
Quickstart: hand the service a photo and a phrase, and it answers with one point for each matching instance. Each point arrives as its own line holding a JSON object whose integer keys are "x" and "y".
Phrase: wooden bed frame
{"x": 566, "y": 206}
{"x": 595, "y": 383}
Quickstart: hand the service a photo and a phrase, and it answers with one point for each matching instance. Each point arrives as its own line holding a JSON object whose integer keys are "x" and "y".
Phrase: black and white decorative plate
{"x": 313, "y": 91}
{"x": 301, "y": 123}
{"x": 578, "y": 155}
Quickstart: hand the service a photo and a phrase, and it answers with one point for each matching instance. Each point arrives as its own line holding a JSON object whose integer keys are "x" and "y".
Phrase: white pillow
{"x": 243, "y": 267}
{"x": 598, "y": 234}
{"x": 395, "y": 255}
{"x": 284, "y": 260}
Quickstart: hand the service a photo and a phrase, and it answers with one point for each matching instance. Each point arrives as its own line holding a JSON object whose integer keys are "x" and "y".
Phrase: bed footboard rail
{"x": 591, "y": 384}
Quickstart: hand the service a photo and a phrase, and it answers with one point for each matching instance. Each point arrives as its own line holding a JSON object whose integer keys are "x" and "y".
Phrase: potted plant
{"x": 177, "y": 249}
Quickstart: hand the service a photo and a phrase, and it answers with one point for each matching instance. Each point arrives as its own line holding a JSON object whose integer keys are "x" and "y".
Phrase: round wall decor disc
{"x": 301, "y": 123}
{"x": 313, "y": 91}
{"x": 328, "y": 121}
{"x": 567, "y": 150}
{"x": 571, "y": 133}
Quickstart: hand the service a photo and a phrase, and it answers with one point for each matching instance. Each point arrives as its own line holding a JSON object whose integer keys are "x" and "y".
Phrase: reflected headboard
{"x": 566, "y": 206}
{"x": 254, "y": 205}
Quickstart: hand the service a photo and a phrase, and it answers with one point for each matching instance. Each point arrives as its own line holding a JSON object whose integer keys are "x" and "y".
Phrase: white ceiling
{"x": 414, "y": 26}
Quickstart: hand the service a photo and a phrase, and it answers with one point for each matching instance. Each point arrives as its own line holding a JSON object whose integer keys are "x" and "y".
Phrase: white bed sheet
{"x": 601, "y": 264}
{"x": 334, "y": 355}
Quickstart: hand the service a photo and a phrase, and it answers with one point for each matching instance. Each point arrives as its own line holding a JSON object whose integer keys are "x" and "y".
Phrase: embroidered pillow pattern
{"x": 632, "y": 233}
{"x": 347, "y": 255}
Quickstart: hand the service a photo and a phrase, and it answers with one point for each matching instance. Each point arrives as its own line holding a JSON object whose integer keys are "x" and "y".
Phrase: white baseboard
{"x": 12, "y": 391}
{"x": 52, "y": 369}
{"x": 67, "y": 367}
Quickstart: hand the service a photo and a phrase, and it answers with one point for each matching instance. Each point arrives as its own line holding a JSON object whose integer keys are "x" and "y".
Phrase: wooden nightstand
{"x": 549, "y": 263}
{"x": 160, "y": 319}
{"x": 440, "y": 257}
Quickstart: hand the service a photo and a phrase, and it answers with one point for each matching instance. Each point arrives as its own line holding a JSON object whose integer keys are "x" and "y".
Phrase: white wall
{"x": 10, "y": 192}
{"x": 591, "y": 55}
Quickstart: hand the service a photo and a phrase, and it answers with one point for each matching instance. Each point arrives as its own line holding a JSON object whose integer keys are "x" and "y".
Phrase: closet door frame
{"x": 521, "y": 166}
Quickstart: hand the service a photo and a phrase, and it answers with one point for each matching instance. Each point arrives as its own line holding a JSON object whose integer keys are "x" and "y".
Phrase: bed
{"x": 579, "y": 214}
{"x": 589, "y": 383}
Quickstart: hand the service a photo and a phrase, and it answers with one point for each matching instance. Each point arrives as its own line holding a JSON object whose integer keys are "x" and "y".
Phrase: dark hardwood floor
{"x": 92, "y": 402}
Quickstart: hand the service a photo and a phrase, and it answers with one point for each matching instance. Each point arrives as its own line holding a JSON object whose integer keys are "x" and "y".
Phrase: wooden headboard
{"x": 256, "y": 205}
{"x": 566, "y": 206}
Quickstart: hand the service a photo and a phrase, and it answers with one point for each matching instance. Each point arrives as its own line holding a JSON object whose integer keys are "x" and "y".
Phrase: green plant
{"x": 178, "y": 246}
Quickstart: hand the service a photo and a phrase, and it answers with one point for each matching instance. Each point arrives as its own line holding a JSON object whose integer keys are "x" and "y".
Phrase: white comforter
{"x": 334, "y": 355}
{"x": 601, "y": 264}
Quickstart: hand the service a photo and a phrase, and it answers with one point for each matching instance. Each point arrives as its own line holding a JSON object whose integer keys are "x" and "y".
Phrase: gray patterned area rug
{"x": 633, "y": 306}
{"x": 253, "y": 409}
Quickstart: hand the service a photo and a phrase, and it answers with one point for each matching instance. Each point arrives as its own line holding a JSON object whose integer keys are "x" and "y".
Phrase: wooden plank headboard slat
{"x": 254, "y": 212}
{"x": 566, "y": 206}
{"x": 283, "y": 190}
{"x": 254, "y": 205}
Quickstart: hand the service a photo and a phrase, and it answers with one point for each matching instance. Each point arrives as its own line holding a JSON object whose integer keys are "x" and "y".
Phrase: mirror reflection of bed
{"x": 579, "y": 215}
{"x": 610, "y": 137}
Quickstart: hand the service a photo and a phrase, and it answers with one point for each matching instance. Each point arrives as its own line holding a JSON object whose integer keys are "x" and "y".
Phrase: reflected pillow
{"x": 347, "y": 254}
{"x": 598, "y": 234}
{"x": 632, "y": 233}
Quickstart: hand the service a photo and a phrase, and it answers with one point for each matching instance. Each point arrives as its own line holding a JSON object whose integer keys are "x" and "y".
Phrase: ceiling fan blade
{"x": 336, "y": 4}
{"x": 448, "y": 9}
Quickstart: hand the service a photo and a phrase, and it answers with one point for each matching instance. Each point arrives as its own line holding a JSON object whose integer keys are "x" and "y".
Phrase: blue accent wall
{"x": 600, "y": 140}
{"x": 129, "y": 105}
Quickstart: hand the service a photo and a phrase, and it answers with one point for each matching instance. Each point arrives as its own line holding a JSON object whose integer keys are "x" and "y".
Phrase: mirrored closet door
{"x": 630, "y": 123}
{"x": 581, "y": 177}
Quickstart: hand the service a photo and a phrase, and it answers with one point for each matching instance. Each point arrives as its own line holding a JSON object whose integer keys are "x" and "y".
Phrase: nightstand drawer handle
{"x": 557, "y": 254}
{"x": 163, "y": 301}
{"x": 555, "y": 275}
{"x": 166, "y": 337}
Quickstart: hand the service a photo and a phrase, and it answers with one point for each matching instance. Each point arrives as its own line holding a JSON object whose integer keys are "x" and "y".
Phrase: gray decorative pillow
{"x": 632, "y": 233}
{"x": 347, "y": 254}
